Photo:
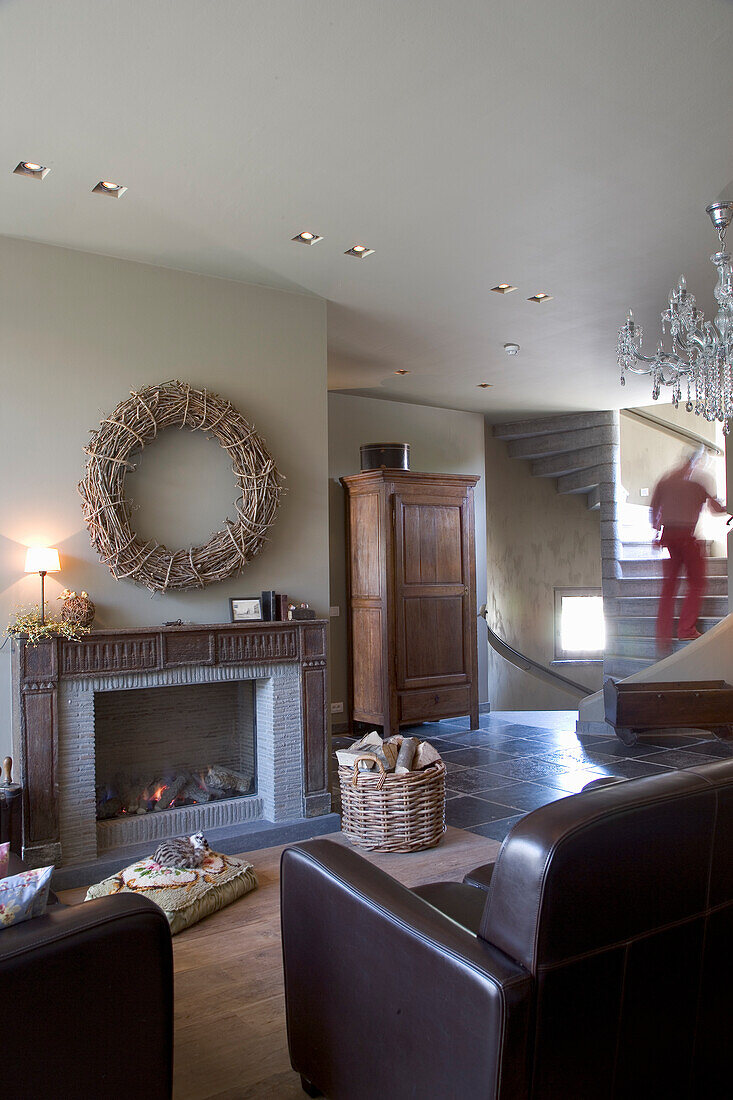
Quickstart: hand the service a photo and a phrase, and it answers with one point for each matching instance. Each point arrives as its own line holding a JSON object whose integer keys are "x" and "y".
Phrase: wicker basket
{"x": 393, "y": 813}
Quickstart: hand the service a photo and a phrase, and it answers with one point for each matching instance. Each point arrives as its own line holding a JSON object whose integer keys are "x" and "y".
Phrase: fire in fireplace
{"x": 183, "y": 788}
{"x": 159, "y": 749}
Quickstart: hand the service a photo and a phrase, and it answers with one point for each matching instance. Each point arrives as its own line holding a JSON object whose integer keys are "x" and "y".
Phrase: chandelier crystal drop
{"x": 699, "y": 363}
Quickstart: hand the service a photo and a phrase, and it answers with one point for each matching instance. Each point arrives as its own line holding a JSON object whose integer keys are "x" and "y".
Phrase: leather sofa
{"x": 595, "y": 960}
{"x": 86, "y": 1001}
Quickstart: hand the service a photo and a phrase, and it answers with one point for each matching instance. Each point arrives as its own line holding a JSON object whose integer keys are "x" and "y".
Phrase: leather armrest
{"x": 480, "y": 876}
{"x": 373, "y": 972}
{"x": 87, "y": 991}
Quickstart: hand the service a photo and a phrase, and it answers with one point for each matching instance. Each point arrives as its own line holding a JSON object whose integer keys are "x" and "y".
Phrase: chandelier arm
{"x": 691, "y": 339}
{"x": 641, "y": 370}
{"x": 643, "y": 358}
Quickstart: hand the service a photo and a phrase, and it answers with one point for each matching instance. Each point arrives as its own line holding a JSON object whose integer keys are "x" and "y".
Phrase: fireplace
{"x": 127, "y": 737}
{"x": 158, "y": 749}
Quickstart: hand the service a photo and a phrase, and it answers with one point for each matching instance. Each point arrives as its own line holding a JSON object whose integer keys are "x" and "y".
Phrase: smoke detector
{"x": 511, "y": 349}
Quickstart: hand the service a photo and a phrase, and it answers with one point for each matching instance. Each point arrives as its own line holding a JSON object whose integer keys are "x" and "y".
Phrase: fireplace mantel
{"x": 40, "y": 671}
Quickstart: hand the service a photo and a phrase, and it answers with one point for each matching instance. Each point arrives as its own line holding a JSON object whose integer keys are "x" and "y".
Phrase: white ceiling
{"x": 569, "y": 147}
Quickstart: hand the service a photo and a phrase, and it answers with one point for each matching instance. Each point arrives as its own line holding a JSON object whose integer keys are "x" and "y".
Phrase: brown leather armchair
{"x": 595, "y": 962}
{"x": 86, "y": 1001}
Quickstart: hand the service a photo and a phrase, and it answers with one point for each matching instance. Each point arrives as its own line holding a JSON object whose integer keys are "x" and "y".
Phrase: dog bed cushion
{"x": 186, "y": 895}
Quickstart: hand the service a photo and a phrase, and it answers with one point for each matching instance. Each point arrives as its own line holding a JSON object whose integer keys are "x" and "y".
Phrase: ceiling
{"x": 568, "y": 147}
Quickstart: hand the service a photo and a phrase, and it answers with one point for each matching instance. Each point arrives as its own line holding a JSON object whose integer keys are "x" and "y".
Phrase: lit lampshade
{"x": 42, "y": 559}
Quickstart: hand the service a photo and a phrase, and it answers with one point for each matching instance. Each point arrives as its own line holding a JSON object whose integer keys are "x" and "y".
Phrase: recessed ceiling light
{"x": 402, "y": 372}
{"x": 540, "y": 296}
{"x": 503, "y": 288}
{"x": 511, "y": 349}
{"x": 30, "y": 168}
{"x": 107, "y": 187}
{"x": 306, "y": 237}
{"x": 484, "y": 385}
{"x": 359, "y": 250}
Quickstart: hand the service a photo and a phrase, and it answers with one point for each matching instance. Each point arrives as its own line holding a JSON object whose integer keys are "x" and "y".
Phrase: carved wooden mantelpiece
{"x": 40, "y": 671}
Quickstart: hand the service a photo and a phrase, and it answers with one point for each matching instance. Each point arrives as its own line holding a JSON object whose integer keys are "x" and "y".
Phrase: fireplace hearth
{"x": 127, "y": 737}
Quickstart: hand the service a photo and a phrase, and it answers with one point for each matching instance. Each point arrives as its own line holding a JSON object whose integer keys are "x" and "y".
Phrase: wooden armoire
{"x": 411, "y": 577}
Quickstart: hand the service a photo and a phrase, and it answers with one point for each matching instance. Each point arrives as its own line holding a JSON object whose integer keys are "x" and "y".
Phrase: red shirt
{"x": 678, "y": 500}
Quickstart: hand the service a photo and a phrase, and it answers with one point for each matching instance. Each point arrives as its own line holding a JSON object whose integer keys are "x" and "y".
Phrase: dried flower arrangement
{"x": 26, "y": 623}
{"x": 134, "y": 424}
{"x": 77, "y": 609}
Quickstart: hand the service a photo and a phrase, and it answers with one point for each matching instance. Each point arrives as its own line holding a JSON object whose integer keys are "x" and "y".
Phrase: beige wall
{"x": 648, "y": 452}
{"x": 442, "y": 441}
{"x": 536, "y": 540}
{"x": 77, "y": 332}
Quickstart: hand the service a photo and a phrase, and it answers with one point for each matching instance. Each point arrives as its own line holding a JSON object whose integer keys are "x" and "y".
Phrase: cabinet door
{"x": 433, "y": 577}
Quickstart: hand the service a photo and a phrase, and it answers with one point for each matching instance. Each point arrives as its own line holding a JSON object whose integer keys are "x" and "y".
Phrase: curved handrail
{"x": 526, "y": 664}
{"x": 673, "y": 429}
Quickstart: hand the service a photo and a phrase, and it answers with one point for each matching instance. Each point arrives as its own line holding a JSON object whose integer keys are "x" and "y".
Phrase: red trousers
{"x": 684, "y": 552}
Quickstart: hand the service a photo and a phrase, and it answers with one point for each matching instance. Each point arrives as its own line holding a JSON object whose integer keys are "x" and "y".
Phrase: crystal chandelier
{"x": 700, "y": 359}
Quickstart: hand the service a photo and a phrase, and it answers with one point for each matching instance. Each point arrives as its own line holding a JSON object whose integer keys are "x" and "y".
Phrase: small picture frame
{"x": 243, "y": 609}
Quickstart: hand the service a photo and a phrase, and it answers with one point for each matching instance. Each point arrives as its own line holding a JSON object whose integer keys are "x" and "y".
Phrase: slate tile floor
{"x": 519, "y": 760}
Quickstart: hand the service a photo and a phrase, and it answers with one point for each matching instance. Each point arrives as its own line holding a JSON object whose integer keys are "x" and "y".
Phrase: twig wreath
{"x": 132, "y": 426}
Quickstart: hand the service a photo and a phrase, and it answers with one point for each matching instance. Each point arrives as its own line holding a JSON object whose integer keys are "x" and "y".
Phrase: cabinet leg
{"x": 723, "y": 733}
{"x": 308, "y": 1087}
{"x": 626, "y": 736}
{"x": 474, "y": 717}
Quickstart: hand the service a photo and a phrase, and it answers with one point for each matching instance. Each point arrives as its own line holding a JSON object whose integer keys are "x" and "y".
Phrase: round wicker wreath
{"x": 135, "y": 423}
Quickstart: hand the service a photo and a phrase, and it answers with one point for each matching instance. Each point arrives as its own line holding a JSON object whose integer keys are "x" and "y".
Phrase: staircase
{"x": 631, "y": 642}
{"x": 576, "y": 449}
{"x": 581, "y": 451}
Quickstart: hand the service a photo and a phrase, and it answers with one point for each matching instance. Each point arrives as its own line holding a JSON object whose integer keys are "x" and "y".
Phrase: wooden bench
{"x": 697, "y": 704}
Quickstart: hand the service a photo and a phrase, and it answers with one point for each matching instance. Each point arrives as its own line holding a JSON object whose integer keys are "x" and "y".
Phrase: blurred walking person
{"x": 677, "y": 501}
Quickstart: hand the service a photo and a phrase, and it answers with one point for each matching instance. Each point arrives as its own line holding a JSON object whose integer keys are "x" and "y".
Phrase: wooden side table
{"x": 11, "y": 802}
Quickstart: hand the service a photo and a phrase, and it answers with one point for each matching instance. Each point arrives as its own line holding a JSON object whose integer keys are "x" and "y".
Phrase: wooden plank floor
{"x": 230, "y": 1041}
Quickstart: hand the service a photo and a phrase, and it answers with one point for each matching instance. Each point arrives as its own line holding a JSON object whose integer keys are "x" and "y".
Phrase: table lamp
{"x": 42, "y": 560}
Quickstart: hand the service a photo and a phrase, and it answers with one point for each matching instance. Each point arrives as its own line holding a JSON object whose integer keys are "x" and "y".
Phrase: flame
{"x": 158, "y": 793}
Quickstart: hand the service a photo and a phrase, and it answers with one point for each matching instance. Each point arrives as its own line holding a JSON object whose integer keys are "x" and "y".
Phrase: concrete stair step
{"x": 520, "y": 429}
{"x": 713, "y": 607}
{"x": 594, "y": 499}
{"x": 643, "y": 626}
{"x": 639, "y": 551}
{"x": 654, "y": 567}
{"x": 621, "y": 667}
{"x": 641, "y": 647}
{"x": 554, "y": 443}
{"x": 632, "y": 537}
{"x": 568, "y": 462}
{"x": 582, "y": 481}
{"x": 652, "y": 586}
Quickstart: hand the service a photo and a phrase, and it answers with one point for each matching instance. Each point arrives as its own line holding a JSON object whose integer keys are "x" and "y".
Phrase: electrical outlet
{"x": 334, "y": 612}
{"x": 337, "y": 708}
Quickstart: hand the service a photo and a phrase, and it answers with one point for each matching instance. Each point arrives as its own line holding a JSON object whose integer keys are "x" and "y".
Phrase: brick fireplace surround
{"x": 54, "y": 689}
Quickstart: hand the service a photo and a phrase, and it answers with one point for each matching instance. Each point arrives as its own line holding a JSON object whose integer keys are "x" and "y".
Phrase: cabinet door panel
{"x": 432, "y": 550}
{"x": 367, "y": 667}
{"x": 366, "y": 540}
{"x": 433, "y": 637}
{"x": 432, "y": 573}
